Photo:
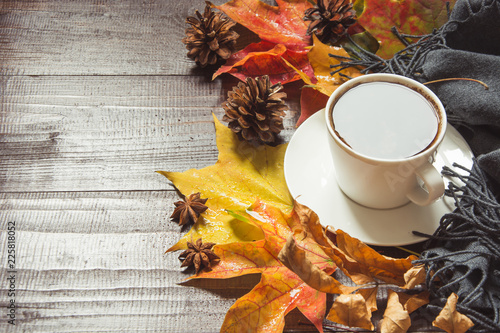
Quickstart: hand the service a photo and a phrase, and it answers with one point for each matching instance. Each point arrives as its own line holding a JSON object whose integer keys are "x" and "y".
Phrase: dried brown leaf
{"x": 450, "y": 320}
{"x": 308, "y": 220}
{"x": 368, "y": 262}
{"x": 351, "y": 310}
{"x": 414, "y": 276}
{"x": 396, "y": 318}
{"x": 412, "y": 302}
{"x": 295, "y": 258}
{"x": 370, "y": 296}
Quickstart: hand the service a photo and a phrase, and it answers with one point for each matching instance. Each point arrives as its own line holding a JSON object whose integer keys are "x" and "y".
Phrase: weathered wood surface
{"x": 95, "y": 96}
{"x": 95, "y": 37}
{"x": 79, "y": 133}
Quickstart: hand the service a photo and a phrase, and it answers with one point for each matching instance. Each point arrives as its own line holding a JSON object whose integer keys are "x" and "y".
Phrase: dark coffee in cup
{"x": 384, "y": 131}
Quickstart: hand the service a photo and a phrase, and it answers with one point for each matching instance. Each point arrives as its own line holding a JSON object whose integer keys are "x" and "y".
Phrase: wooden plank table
{"x": 95, "y": 96}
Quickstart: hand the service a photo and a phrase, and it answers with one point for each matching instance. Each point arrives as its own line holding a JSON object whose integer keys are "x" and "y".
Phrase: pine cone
{"x": 255, "y": 110}
{"x": 210, "y": 37}
{"x": 330, "y": 19}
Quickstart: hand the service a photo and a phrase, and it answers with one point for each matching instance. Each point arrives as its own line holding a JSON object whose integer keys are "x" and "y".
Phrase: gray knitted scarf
{"x": 463, "y": 255}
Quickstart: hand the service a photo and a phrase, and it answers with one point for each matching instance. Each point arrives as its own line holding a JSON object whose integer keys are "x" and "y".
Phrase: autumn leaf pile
{"x": 259, "y": 228}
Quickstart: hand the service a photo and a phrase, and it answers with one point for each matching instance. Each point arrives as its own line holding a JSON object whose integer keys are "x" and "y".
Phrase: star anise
{"x": 198, "y": 254}
{"x": 189, "y": 209}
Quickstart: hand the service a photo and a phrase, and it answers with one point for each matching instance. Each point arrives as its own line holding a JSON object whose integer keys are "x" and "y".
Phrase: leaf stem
{"x": 459, "y": 79}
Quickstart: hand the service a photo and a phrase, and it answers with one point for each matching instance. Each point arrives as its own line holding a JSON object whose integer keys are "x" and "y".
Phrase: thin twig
{"x": 459, "y": 79}
{"x": 409, "y": 251}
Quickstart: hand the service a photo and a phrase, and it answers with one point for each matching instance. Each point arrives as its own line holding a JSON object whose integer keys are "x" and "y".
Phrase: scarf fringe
{"x": 463, "y": 254}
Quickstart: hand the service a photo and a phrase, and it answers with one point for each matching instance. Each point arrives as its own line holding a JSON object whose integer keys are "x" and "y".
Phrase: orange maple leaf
{"x": 414, "y": 17}
{"x": 280, "y": 289}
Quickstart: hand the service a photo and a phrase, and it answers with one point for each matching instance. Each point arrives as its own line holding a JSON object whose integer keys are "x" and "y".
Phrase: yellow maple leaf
{"x": 241, "y": 174}
{"x": 321, "y": 60}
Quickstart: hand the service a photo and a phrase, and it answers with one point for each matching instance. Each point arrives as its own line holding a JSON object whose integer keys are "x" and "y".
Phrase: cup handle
{"x": 433, "y": 182}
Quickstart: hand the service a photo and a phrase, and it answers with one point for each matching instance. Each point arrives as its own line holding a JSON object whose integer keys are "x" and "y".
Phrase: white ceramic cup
{"x": 384, "y": 182}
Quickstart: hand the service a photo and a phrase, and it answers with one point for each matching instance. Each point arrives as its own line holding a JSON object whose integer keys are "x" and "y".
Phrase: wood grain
{"x": 95, "y": 260}
{"x": 101, "y": 37}
{"x": 76, "y": 133}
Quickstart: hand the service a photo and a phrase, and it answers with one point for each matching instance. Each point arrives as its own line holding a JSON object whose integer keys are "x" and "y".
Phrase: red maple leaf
{"x": 266, "y": 58}
{"x": 284, "y": 41}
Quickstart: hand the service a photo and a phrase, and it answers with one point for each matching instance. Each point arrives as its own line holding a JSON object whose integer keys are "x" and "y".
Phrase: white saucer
{"x": 310, "y": 177}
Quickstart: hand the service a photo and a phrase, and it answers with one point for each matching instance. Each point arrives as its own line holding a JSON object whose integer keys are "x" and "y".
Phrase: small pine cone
{"x": 210, "y": 37}
{"x": 255, "y": 110}
{"x": 330, "y": 19}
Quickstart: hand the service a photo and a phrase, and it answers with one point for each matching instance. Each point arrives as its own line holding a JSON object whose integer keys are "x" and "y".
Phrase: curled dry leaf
{"x": 351, "y": 310}
{"x": 414, "y": 276}
{"x": 295, "y": 258}
{"x": 307, "y": 220}
{"x": 412, "y": 302}
{"x": 370, "y": 296}
{"x": 361, "y": 260}
{"x": 396, "y": 319}
{"x": 450, "y": 320}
